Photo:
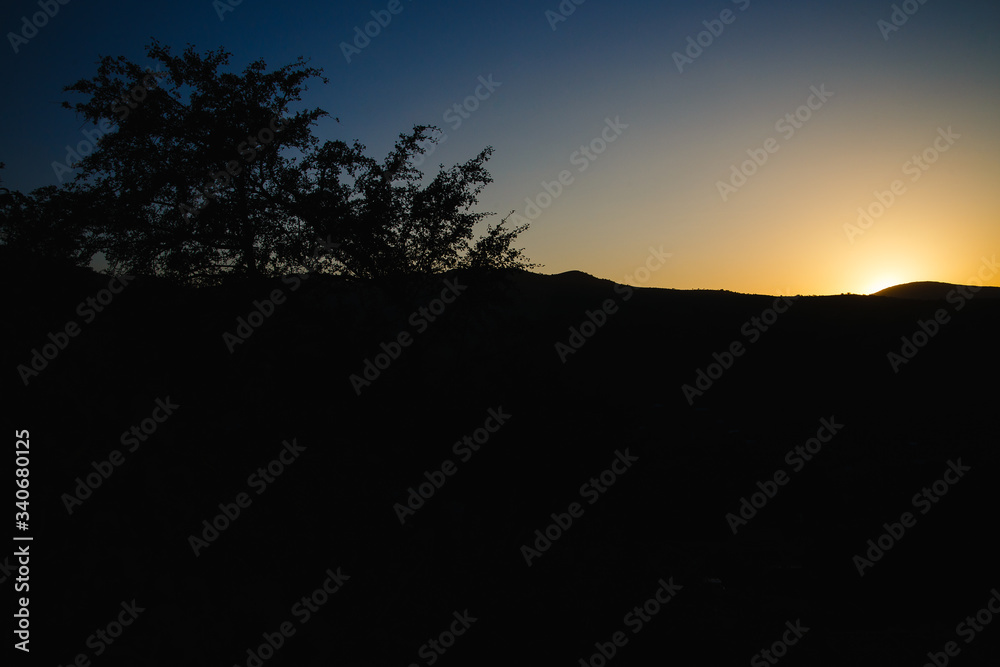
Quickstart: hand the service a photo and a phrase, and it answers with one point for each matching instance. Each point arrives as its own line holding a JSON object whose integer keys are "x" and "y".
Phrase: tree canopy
{"x": 203, "y": 174}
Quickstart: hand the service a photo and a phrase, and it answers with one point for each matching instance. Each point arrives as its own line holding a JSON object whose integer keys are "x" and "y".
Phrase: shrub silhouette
{"x": 46, "y": 223}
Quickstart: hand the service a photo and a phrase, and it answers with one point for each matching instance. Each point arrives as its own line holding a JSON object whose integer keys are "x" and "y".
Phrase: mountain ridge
{"x": 930, "y": 290}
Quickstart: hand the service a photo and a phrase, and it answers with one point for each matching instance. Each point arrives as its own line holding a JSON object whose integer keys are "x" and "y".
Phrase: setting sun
{"x": 882, "y": 281}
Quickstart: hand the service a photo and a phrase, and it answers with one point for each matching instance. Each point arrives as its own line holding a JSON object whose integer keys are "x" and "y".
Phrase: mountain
{"x": 935, "y": 291}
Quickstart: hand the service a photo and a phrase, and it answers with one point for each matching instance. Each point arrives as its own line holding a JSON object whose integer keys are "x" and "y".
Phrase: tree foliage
{"x": 208, "y": 174}
{"x": 193, "y": 178}
{"x": 387, "y": 224}
{"x": 48, "y": 222}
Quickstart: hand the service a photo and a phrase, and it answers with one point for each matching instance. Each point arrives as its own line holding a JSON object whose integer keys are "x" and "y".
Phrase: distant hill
{"x": 578, "y": 278}
{"x": 932, "y": 291}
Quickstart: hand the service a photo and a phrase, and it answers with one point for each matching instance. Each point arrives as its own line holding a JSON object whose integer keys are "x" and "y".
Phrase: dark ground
{"x": 665, "y": 517}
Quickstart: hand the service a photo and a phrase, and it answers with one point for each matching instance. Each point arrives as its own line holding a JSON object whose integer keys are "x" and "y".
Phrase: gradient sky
{"x": 656, "y": 185}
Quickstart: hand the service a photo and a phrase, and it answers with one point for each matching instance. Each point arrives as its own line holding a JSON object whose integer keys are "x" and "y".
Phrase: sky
{"x": 766, "y": 146}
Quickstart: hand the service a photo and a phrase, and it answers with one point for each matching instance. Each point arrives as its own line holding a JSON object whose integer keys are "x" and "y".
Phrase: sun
{"x": 881, "y": 281}
{"x": 878, "y": 278}
{"x": 875, "y": 273}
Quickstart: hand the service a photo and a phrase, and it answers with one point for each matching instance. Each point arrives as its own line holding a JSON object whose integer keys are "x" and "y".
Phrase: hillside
{"x": 510, "y": 358}
{"x": 936, "y": 291}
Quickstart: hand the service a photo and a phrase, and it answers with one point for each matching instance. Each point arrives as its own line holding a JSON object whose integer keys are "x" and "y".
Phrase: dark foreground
{"x": 363, "y": 524}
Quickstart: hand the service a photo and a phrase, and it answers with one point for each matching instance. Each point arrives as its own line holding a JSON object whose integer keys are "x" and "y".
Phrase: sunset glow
{"x": 803, "y": 147}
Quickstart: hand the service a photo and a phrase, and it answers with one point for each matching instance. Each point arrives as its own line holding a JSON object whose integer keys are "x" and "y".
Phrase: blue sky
{"x": 657, "y": 183}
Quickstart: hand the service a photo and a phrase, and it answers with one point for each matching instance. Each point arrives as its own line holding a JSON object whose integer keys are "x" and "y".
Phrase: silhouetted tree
{"x": 387, "y": 224}
{"x": 494, "y": 251}
{"x": 193, "y": 180}
{"x": 202, "y": 174}
{"x": 48, "y": 222}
